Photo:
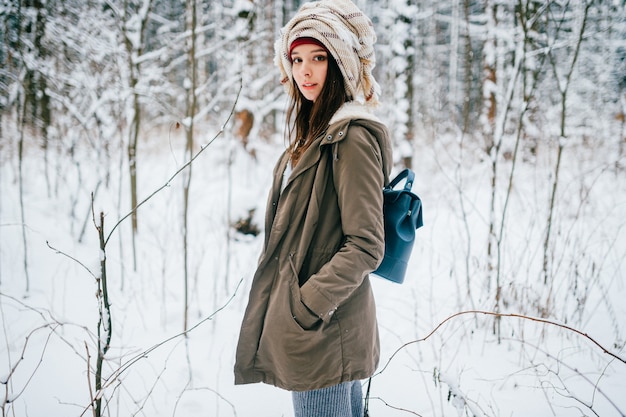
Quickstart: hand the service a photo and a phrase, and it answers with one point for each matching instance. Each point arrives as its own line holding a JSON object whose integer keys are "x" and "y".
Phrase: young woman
{"x": 310, "y": 324}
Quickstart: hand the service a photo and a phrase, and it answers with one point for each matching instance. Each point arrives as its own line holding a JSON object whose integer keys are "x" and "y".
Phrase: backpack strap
{"x": 367, "y": 398}
{"x": 406, "y": 173}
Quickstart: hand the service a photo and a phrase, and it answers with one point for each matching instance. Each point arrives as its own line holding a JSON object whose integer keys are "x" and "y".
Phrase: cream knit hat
{"x": 347, "y": 34}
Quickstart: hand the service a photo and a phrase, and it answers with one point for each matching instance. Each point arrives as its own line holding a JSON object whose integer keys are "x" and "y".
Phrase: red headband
{"x": 305, "y": 41}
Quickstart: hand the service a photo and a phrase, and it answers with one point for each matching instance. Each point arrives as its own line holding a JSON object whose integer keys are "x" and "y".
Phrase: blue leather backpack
{"x": 402, "y": 212}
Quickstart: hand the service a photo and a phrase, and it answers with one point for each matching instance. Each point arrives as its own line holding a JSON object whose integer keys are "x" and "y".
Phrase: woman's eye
{"x": 296, "y": 60}
{"x": 320, "y": 58}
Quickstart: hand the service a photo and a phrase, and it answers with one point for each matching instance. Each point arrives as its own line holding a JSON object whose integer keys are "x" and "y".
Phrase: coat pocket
{"x": 305, "y": 318}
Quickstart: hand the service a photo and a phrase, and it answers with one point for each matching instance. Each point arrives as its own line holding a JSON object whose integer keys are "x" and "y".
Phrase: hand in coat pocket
{"x": 304, "y": 316}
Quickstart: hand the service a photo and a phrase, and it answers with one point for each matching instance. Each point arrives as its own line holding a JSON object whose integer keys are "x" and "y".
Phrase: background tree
{"x": 134, "y": 17}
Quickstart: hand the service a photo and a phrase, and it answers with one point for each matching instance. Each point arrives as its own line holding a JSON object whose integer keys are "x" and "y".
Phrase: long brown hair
{"x": 307, "y": 120}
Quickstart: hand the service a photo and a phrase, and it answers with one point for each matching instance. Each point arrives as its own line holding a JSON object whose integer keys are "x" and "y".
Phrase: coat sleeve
{"x": 358, "y": 178}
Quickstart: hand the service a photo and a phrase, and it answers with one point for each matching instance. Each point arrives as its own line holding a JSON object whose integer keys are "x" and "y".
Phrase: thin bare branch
{"x": 72, "y": 258}
{"x": 88, "y": 375}
{"x": 142, "y": 355}
{"x": 494, "y": 314}
{"x": 182, "y": 168}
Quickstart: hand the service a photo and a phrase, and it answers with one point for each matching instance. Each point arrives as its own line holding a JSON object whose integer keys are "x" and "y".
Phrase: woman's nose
{"x": 305, "y": 69}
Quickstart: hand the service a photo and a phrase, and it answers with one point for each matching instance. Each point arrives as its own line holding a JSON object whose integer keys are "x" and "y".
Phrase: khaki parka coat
{"x": 310, "y": 322}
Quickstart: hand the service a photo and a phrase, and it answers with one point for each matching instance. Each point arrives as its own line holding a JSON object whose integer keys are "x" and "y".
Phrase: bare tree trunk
{"x": 495, "y": 118}
{"x": 192, "y": 105}
{"x": 42, "y": 100}
{"x": 489, "y": 112}
{"x": 467, "y": 70}
{"x": 134, "y": 52}
{"x": 455, "y": 37}
{"x": 104, "y": 321}
{"x": 409, "y": 45}
{"x": 563, "y": 87}
{"x": 20, "y": 155}
{"x": 131, "y": 150}
{"x": 120, "y": 189}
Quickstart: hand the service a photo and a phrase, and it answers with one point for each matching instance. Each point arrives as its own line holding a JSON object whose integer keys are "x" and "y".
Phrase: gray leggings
{"x": 343, "y": 400}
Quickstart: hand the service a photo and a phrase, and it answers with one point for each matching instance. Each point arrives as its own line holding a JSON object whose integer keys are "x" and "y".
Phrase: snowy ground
{"x": 48, "y": 337}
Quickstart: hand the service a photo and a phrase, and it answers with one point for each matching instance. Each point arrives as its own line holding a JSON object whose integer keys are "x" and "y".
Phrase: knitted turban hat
{"x": 345, "y": 32}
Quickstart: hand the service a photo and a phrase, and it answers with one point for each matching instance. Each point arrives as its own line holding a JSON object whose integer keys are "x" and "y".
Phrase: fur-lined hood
{"x": 354, "y": 110}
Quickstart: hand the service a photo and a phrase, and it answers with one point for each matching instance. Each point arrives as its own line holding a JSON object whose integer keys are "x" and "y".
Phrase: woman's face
{"x": 309, "y": 68}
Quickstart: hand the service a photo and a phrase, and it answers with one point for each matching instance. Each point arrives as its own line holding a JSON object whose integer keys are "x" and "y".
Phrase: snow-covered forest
{"x": 137, "y": 139}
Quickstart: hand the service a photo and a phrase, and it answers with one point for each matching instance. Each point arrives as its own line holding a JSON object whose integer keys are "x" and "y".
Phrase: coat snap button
{"x": 329, "y": 137}
{"x": 340, "y": 133}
